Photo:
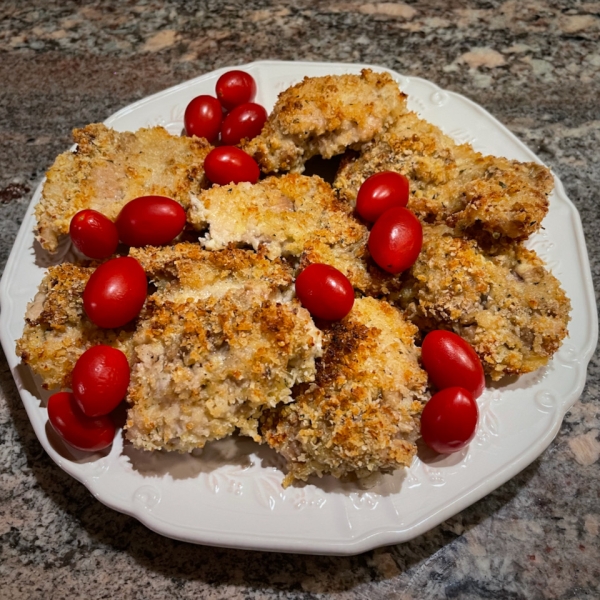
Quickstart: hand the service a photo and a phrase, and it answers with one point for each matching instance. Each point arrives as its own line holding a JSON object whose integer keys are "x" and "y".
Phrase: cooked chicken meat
{"x": 505, "y": 304}
{"x": 110, "y": 168}
{"x": 293, "y": 216}
{"x": 186, "y": 271}
{"x": 325, "y": 116}
{"x": 57, "y": 330}
{"x": 361, "y": 415}
{"x": 218, "y": 342}
{"x": 204, "y": 368}
{"x": 488, "y": 197}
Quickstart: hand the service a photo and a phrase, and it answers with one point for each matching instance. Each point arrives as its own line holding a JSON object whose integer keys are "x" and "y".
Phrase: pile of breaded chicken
{"x": 223, "y": 346}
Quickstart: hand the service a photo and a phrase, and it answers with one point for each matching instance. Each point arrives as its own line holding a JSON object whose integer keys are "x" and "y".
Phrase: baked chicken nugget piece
{"x": 325, "y": 116}
{"x": 110, "y": 168}
{"x": 506, "y": 305}
{"x": 487, "y": 197}
{"x": 204, "y": 368}
{"x": 292, "y": 216}
{"x": 187, "y": 271}
{"x": 57, "y": 330}
{"x": 362, "y": 413}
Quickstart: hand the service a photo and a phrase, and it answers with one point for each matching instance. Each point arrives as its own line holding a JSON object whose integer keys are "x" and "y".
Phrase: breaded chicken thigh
{"x": 186, "y": 271}
{"x": 325, "y": 116}
{"x": 57, "y": 330}
{"x": 361, "y": 416}
{"x": 505, "y": 304}
{"x": 204, "y": 368}
{"x": 219, "y": 341}
{"x": 110, "y": 168}
{"x": 487, "y": 197}
{"x": 291, "y": 216}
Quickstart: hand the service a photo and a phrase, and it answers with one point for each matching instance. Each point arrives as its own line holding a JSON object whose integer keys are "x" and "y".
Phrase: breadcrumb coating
{"x": 487, "y": 197}
{"x": 505, "y": 304}
{"x": 205, "y": 368}
{"x": 325, "y": 116}
{"x": 222, "y": 345}
{"x": 57, "y": 330}
{"x": 185, "y": 271}
{"x": 362, "y": 413}
{"x": 110, "y": 168}
{"x": 291, "y": 216}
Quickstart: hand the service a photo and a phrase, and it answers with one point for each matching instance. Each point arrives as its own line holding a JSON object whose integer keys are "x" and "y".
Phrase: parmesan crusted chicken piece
{"x": 219, "y": 341}
{"x": 57, "y": 330}
{"x": 506, "y": 305}
{"x": 362, "y": 413}
{"x": 207, "y": 367}
{"x": 325, "y": 116}
{"x": 487, "y": 197}
{"x": 293, "y": 216}
{"x": 110, "y": 168}
{"x": 187, "y": 271}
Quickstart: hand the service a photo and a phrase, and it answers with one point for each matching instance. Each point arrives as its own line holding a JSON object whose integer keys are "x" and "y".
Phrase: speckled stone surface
{"x": 534, "y": 65}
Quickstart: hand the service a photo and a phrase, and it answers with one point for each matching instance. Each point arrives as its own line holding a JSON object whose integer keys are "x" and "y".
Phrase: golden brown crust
{"x": 293, "y": 216}
{"x": 57, "y": 330}
{"x": 186, "y": 270}
{"x": 487, "y": 197}
{"x": 362, "y": 413}
{"x": 205, "y": 368}
{"x": 505, "y": 304}
{"x": 110, "y": 168}
{"x": 325, "y": 116}
{"x": 221, "y": 345}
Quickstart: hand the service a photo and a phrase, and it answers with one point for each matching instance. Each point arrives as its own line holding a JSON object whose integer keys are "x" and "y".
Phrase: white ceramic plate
{"x": 231, "y": 494}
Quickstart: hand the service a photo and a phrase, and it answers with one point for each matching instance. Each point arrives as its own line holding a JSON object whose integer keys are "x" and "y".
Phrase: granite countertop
{"x": 534, "y": 65}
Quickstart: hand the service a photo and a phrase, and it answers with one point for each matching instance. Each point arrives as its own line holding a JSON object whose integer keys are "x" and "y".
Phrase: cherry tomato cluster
{"x": 231, "y": 117}
{"x": 396, "y": 237}
{"x": 449, "y": 419}
{"x": 113, "y": 296}
{"x": 394, "y": 242}
{"x": 232, "y": 114}
{"x": 144, "y": 221}
{"x": 82, "y": 417}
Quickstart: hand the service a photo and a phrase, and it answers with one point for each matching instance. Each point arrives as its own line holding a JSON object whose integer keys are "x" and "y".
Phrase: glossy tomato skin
{"x": 84, "y": 433}
{"x": 449, "y": 420}
{"x": 244, "y": 121}
{"x": 229, "y": 164}
{"x": 396, "y": 240}
{"x": 93, "y": 234}
{"x": 451, "y": 361}
{"x": 325, "y": 292}
{"x": 115, "y": 293}
{"x": 379, "y": 192}
{"x": 100, "y": 380}
{"x": 150, "y": 221}
{"x": 234, "y": 88}
{"x": 203, "y": 117}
